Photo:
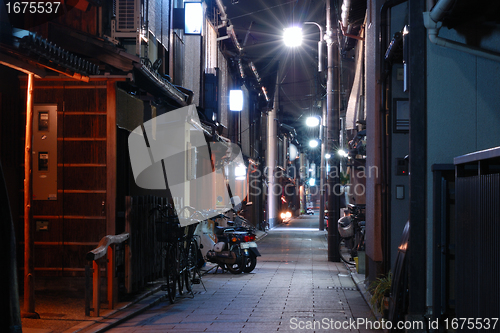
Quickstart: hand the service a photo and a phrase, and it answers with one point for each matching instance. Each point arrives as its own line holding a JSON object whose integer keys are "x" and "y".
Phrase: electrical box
{"x": 44, "y": 152}
{"x": 401, "y": 167}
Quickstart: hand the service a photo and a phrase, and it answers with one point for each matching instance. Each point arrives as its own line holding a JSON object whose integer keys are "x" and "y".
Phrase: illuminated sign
{"x": 193, "y": 18}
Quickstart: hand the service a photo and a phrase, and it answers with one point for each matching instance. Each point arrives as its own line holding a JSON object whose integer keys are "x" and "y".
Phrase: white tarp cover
{"x": 355, "y": 105}
{"x": 173, "y": 146}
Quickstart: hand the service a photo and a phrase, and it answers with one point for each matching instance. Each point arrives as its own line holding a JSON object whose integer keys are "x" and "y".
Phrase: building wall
{"x": 373, "y": 125}
{"x": 224, "y": 80}
{"x": 462, "y": 108}
{"x": 192, "y": 66}
{"x": 399, "y": 145}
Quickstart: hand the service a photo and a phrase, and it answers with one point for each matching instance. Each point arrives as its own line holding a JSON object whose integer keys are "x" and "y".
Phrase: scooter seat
{"x": 219, "y": 230}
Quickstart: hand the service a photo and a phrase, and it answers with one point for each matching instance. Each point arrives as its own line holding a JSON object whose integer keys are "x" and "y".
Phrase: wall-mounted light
{"x": 293, "y": 152}
{"x": 240, "y": 172}
{"x": 235, "y": 100}
{"x": 193, "y": 18}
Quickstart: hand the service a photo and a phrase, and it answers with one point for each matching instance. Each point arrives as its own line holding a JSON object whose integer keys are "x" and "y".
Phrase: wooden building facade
{"x": 69, "y": 225}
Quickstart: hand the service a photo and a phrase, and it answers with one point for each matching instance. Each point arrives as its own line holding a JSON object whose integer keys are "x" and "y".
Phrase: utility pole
{"x": 322, "y": 168}
{"x": 271, "y": 157}
{"x": 332, "y": 137}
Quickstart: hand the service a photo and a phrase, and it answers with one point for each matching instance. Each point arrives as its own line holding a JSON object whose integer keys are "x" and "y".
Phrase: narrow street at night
{"x": 138, "y": 137}
{"x": 293, "y": 287}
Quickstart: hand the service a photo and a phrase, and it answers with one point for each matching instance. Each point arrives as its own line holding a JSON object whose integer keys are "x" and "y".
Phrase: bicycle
{"x": 191, "y": 250}
{"x": 180, "y": 252}
{"x": 352, "y": 233}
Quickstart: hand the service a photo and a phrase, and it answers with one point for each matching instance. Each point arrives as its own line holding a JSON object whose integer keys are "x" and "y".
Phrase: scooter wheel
{"x": 250, "y": 263}
{"x": 237, "y": 267}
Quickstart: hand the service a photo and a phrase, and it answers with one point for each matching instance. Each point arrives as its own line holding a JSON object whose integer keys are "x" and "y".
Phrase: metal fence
{"x": 477, "y": 273}
{"x": 145, "y": 251}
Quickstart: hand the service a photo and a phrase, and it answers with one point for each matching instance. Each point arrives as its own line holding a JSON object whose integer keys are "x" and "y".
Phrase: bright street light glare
{"x": 293, "y": 36}
{"x": 312, "y": 181}
{"x": 312, "y": 121}
{"x": 313, "y": 143}
{"x": 327, "y": 156}
{"x": 342, "y": 153}
{"x": 240, "y": 172}
{"x": 236, "y": 100}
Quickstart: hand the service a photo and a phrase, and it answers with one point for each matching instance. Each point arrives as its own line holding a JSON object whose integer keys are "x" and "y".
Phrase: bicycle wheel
{"x": 171, "y": 272}
{"x": 192, "y": 264}
{"x": 347, "y": 250}
{"x": 181, "y": 258}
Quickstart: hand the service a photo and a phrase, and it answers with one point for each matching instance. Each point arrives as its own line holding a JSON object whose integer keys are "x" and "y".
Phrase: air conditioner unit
{"x": 128, "y": 18}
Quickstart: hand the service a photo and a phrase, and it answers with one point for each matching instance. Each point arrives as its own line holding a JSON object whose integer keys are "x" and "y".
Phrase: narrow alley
{"x": 293, "y": 289}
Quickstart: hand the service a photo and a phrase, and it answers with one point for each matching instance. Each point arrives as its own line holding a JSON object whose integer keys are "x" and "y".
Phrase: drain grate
{"x": 342, "y": 288}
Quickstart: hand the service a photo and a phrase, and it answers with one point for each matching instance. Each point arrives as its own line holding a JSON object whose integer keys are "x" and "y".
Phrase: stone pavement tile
{"x": 264, "y": 319}
{"x": 231, "y": 318}
{"x": 273, "y": 313}
{"x": 159, "y": 330}
{"x": 264, "y": 326}
{"x": 241, "y": 303}
{"x": 203, "y": 312}
{"x": 235, "y": 312}
{"x": 132, "y": 330}
{"x": 275, "y": 309}
{"x": 271, "y": 302}
{"x": 203, "y": 326}
{"x": 224, "y": 327}
{"x": 275, "y": 294}
{"x": 201, "y": 318}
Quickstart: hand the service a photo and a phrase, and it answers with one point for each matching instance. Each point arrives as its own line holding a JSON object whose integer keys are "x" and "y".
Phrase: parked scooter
{"x": 232, "y": 247}
{"x": 249, "y": 246}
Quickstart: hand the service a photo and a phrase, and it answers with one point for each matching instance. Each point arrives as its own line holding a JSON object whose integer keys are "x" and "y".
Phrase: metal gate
{"x": 477, "y": 273}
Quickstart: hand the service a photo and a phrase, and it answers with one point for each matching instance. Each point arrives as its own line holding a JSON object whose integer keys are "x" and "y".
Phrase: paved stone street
{"x": 293, "y": 289}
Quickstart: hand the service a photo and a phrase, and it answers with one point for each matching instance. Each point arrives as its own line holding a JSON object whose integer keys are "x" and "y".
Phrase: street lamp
{"x": 313, "y": 143}
{"x": 332, "y": 112}
{"x": 293, "y": 38}
{"x": 342, "y": 153}
{"x": 313, "y": 121}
